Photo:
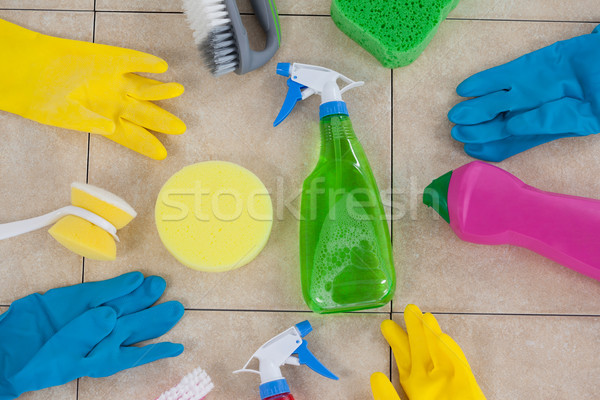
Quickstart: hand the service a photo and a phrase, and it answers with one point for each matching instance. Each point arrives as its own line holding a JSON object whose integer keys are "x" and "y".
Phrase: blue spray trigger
{"x": 284, "y": 69}
{"x": 294, "y": 95}
{"x": 307, "y": 358}
{"x": 304, "y": 328}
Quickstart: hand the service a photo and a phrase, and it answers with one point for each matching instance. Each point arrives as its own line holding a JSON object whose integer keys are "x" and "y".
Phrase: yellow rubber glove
{"x": 86, "y": 87}
{"x": 431, "y": 365}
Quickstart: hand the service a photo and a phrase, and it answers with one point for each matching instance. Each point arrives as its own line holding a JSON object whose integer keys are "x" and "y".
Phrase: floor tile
{"x": 553, "y": 10}
{"x": 64, "y": 392}
{"x": 527, "y": 357}
{"x": 139, "y": 5}
{"x": 221, "y": 342}
{"x": 48, "y": 4}
{"x": 230, "y": 119}
{"x": 283, "y": 6}
{"x": 435, "y": 268}
{"x": 39, "y": 163}
{"x": 310, "y": 7}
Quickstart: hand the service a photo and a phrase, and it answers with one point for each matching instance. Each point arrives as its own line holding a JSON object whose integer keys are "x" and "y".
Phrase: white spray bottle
{"x": 278, "y": 352}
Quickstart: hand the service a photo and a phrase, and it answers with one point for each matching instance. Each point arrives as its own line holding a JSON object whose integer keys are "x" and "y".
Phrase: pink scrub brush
{"x": 194, "y": 386}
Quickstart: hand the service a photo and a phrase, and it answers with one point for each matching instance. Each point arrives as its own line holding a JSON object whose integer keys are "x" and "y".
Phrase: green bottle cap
{"x": 436, "y": 195}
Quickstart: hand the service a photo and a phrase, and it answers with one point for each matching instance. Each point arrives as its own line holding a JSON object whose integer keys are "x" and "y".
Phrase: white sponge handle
{"x": 17, "y": 228}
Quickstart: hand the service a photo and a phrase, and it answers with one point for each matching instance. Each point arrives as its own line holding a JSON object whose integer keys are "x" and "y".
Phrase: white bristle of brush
{"x": 202, "y": 15}
{"x": 194, "y": 386}
{"x": 213, "y": 33}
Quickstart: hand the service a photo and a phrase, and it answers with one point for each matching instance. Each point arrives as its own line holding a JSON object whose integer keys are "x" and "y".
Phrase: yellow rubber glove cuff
{"x": 86, "y": 87}
{"x": 430, "y": 363}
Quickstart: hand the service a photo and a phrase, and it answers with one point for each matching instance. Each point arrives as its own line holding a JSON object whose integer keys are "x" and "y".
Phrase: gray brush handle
{"x": 266, "y": 12}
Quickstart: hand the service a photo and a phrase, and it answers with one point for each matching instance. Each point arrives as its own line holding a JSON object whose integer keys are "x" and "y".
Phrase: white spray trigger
{"x": 322, "y": 81}
{"x": 306, "y": 80}
{"x": 289, "y": 348}
{"x": 274, "y": 354}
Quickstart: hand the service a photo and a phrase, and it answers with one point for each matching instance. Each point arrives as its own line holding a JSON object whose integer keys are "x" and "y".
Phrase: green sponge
{"x": 394, "y": 31}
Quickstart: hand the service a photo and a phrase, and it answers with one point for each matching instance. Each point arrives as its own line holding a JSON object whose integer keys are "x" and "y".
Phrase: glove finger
{"x": 137, "y": 61}
{"x": 80, "y": 336}
{"x": 92, "y": 294}
{"x": 85, "y": 120}
{"x": 566, "y": 115}
{"x": 482, "y": 109}
{"x": 86, "y": 331}
{"x": 141, "y": 298}
{"x": 453, "y": 350}
{"x": 433, "y": 332}
{"x": 149, "y": 89}
{"x": 148, "y": 324}
{"x": 151, "y": 116}
{"x": 130, "y": 357}
{"x": 138, "y": 139}
{"x": 382, "y": 388}
{"x": 488, "y": 81}
{"x": 490, "y": 131}
{"x": 502, "y": 149}
{"x": 398, "y": 341}
{"x": 419, "y": 351}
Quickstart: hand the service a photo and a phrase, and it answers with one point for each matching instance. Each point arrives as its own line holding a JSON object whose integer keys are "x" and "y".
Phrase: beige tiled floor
{"x": 529, "y": 327}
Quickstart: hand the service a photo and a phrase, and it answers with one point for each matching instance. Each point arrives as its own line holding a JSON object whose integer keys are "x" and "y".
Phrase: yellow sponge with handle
{"x": 83, "y": 237}
{"x": 102, "y": 202}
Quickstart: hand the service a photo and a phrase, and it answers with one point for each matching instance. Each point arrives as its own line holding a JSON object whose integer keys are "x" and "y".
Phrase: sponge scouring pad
{"x": 102, "y": 202}
{"x": 84, "y": 238}
{"x": 394, "y": 31}
{"x": 214, "y": 216}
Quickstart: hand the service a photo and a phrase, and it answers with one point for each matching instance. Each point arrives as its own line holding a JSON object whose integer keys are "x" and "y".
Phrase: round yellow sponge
{"x": 214, "y": 216}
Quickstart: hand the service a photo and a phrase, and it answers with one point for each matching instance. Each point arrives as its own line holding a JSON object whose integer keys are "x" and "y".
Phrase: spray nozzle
{"x": 287, "y": 348}
{"x": 305, "y": 80}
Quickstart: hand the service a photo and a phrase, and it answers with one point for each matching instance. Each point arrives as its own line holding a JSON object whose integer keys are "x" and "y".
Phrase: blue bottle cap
{"x": 332, "y": 107}
{"x": 273, "y": 388}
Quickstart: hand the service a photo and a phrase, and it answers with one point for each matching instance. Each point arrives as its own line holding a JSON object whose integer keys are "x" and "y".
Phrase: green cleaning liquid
{"x": 345, "y": 249}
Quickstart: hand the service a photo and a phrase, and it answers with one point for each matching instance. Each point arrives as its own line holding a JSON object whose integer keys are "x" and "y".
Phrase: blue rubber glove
{"x": 549, "y": 94}
{"x": 83, "y": 330}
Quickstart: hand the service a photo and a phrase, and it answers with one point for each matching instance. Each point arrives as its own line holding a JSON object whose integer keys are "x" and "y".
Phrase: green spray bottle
{"x": 345, "y": 248}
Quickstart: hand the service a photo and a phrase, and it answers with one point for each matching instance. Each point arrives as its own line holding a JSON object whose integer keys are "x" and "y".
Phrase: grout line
{"x": 387, "y": 313}
{"x": 297, "y": 15}
{"x": 284, "y": 311}
{"x": 484, "y": 314}
{"x": 87, "y": 167}
{"x": 520, "y": 20}
{"x": 392, "y": 199}
{"x": 138, "y": 12}
{"x": 87, "y": 175}
{"x": 43, "y": 10}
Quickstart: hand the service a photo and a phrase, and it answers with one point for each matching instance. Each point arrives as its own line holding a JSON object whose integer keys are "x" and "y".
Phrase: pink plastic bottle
{"x": 485, "y": 204}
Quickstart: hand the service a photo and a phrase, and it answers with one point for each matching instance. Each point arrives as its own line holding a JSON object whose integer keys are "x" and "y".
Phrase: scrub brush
{"x": 87, "y": 227}
{"x": 222, "y": 37}
{"x": 194, "y": 386}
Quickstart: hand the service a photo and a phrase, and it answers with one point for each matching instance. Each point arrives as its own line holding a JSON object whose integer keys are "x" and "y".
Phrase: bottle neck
{"x": 336, "y": 127}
